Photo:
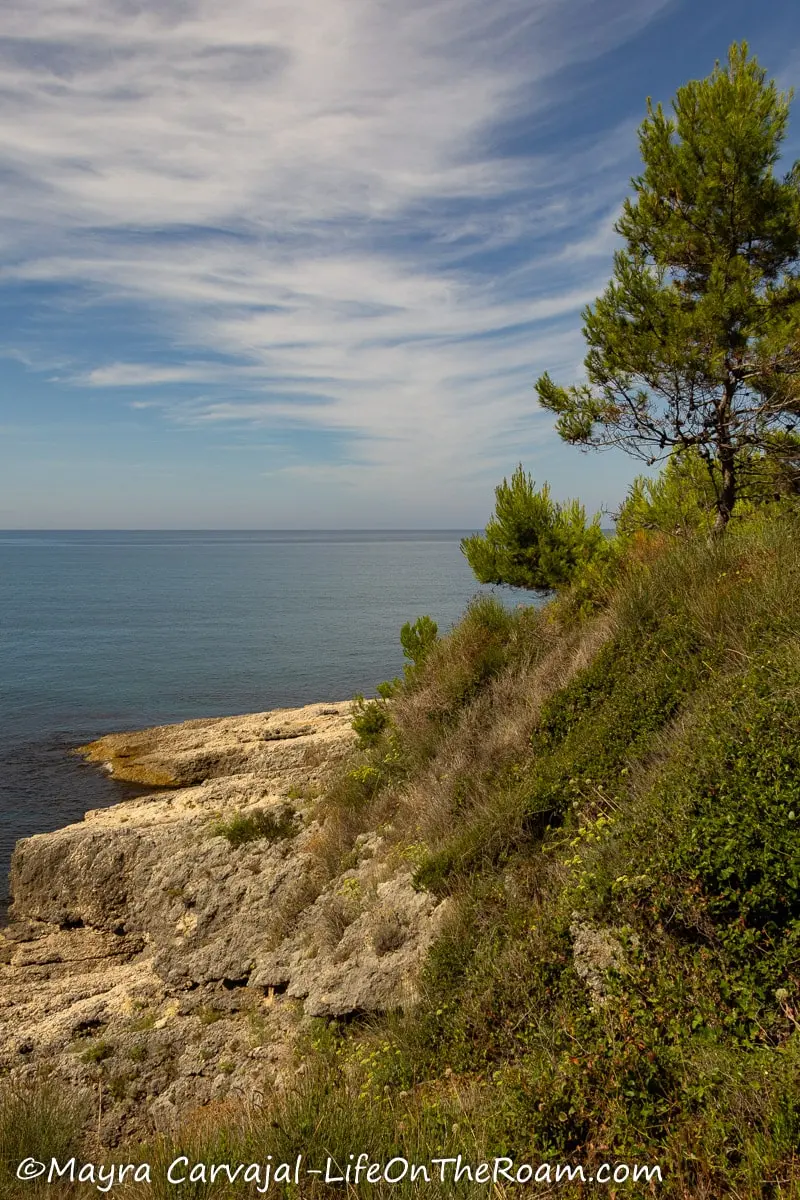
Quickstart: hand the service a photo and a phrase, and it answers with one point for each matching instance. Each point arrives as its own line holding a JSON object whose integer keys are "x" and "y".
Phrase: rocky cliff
{"x": 165, "y": 952}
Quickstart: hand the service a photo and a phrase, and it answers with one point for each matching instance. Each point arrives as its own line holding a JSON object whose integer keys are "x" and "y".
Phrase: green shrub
{"x": 358, "y": 786}
{"x": 98, "y": 1052}
{"x": 251, "y": 827}
{"x": 418, "y": 639}
{"x": 208, "y": 1015}
{"x": 370, "y": 720}
{"x": 389, "y": 688}
{"x": 726, "y": 818}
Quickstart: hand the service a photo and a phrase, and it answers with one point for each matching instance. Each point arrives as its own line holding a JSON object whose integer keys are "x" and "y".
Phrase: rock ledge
{"x": 153, "y": 955}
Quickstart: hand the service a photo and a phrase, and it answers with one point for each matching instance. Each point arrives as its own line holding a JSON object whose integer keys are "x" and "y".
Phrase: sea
{"x": 104, "y": 631}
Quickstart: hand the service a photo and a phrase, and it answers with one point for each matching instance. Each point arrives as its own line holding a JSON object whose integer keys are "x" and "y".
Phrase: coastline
{"x": 172, "y": 946}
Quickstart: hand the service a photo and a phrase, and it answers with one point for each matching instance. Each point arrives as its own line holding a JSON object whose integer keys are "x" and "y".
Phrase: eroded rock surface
{"x": 169, "y": 948}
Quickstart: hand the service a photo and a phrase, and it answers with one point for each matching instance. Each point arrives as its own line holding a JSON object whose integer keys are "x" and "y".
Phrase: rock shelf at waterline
{"x": 180, "y": 941}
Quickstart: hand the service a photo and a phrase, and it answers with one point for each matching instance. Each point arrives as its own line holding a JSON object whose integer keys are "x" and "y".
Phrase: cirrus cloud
{"x": 326, "y": 214}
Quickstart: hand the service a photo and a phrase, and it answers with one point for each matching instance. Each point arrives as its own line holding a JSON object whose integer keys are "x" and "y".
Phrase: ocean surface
{"x": 103, "y": 631}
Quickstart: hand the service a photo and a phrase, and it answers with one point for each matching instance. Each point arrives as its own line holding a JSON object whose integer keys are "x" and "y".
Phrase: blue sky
{"x": 297, "y": 263}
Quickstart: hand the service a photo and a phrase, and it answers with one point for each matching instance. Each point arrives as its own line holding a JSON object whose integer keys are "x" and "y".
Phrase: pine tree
{"x": 695, "y": 343}
{"x": 531, "y": 541}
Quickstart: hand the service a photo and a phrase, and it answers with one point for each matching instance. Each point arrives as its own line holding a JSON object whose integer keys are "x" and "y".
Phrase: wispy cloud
{"x": 316, "y": 211}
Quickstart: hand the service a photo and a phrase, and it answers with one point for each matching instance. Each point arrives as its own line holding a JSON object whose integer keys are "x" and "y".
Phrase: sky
{"x": 298, "y": 263}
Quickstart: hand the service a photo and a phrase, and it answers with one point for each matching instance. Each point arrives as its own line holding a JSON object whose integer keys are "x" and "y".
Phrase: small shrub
{"x": 370, "y": 720}
{"x": 340, "y": 911}
{"x": 257, "y": 826}
{"x": 389, "y": 934}
{"x": 418, "y": 639}
{"x": 355, "y": 787}
{"x": 97, "y": 1053}
{"x": 728, "y": 814}
{"x": 119, "y": 1085}
{"x": 209, "y": 1016}
{"x": 301, "y": 791}
{"x": 474, "y": 652}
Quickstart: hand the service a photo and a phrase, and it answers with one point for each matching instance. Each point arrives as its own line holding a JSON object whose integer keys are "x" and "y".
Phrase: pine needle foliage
{"x": 532, "y": 541}
{"x": 695, "y": 343}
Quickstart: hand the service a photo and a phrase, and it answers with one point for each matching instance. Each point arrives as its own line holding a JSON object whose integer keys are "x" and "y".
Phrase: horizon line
{"x": 232, "y": 529}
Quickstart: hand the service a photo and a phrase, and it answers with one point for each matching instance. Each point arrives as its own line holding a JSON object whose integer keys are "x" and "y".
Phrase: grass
{"x": 143, "y": 1021}
{"x": 208, "y": 1015}
{"x": 39, "y": 1118}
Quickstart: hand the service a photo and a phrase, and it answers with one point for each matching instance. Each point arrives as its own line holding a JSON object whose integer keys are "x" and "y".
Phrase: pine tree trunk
{"x": 727, "y": 493}
{"x": 726, "y": 497}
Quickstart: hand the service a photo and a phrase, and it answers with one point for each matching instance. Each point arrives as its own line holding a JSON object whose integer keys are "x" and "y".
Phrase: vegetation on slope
{"x": 627, "y": 789}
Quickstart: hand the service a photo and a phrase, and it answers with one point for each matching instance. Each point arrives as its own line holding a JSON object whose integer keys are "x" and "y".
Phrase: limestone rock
{"x": 152, "y": 954}
{"x": 595, "y": 952}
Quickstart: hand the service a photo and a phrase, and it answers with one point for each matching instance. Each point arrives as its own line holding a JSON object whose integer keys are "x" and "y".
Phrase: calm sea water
{"x": 102, "y": 631}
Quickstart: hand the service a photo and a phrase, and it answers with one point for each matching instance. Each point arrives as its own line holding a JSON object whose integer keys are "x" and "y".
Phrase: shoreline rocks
{"x": 168, "y": 949}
